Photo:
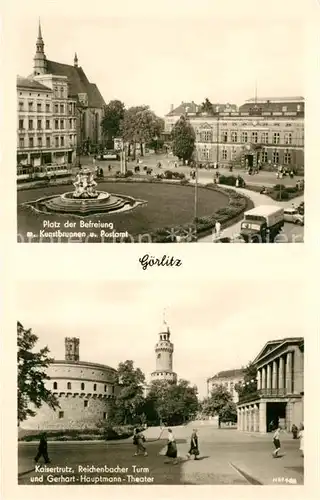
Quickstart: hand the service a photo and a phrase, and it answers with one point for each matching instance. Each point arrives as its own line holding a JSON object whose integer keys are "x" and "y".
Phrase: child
{"x": 276, "y": 442}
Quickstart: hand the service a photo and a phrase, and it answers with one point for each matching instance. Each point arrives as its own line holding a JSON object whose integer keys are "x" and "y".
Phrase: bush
{"x": 282, "y": 196}
{"x": 168, "y": 174}
{"x": 291, "y": 189}
{"x": 128, "y": 173}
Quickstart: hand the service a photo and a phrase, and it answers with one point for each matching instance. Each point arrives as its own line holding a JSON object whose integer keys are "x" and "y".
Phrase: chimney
{"x": 72, "y": 348}
{"x": 171, "y": 108}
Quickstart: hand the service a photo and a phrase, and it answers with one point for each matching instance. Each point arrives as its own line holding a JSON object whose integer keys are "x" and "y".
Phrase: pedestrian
{"x": 294, "y": 430}
{"x": 217, "y": 228}
{"x": 138, "y": 440}
{"x": 194, "y": 448}
{"x": 172, "y": 451}
{"x": 276, "y": 442}
{"x": 43, "y": 449}
{"x": 301, "y": 437}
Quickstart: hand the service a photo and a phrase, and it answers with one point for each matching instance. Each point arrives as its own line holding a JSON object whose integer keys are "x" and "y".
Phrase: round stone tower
{"x": 164, "y": 354}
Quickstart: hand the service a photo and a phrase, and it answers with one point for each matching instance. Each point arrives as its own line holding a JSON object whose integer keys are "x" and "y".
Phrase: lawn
{"x": 167, "y": 205}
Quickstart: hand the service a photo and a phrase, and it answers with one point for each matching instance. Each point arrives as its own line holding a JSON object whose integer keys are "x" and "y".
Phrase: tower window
{"x": 94, "y": 387}
{"x": 69, "y": 385}
{"x": 104, "y": 415}
{"x": 61, "y": 414}
{"x": 105, "y": 388}
{"x": 82, "y": 386}
{"x": 159, "y": 356}
{"x": 85, "y": 404}
{"x": 55, "y": 385}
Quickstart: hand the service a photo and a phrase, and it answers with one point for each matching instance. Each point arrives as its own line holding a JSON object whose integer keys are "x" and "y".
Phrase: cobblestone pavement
{"x": 227, "y": 456}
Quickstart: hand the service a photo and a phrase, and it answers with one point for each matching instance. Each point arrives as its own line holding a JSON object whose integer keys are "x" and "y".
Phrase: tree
{"x": 249, "y": 385}
{"x": 183, "y": 139}
{"x": 113, "y": 115}
{"x": 207, "y": 107}
{"x": 171, "y": 403}
{"x": 32, "y": 374}
{"x": 218, "y": 403}
{"x": 140, "y": 125}
{"x": 128, "y": 405}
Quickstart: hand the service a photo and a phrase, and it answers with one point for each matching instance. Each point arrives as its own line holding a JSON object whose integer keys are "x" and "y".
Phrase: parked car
{"x": 293, "y": 215}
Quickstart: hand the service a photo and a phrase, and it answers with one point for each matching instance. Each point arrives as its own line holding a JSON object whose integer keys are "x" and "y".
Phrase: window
{"x": 159, "y": 356}
{"x": 85, "y": 404}
{"x": 276, "y": 138}
{"x": 21, "y": 124}
{"x": 56, "y": 124}
{"x": 207, "y": 136}
{"x": 61, "y": 91}
{"x": 287, "y": 158}
{"x": 20, "y": 106}
{"x": 105, "y": 388}
{"x": 56, "y": 109}
{"x": 55, "y": 385}
{"x": 275, "y": 157}
{"x": 104, "y": 416}
{"x": 39, "y": 124}
{"x": 47, "y": 108}
{"x": 21, "y": 142}
{"x": 62, "y": 141}
{"x": 298, "y": 107}
{"x": 224, "y": 154}
{"x": 254, "y": 137}
{"x": 57, "y": 142}
{"x": 264, "y": 156}
{"x": 61, "y": 109}
{"x": 265, "y": 138}
{"x": 113, "y": 389}
{"x": 30, "y": 104}
{"x": 48, "y": 144}
{"x": 61, "y": 414}
{"x": 244, "y": 137}
{"x": 82, "y": 386}
{"x": 30, "y": 124}
{"x": 31, "y": 142}
{"x": 94, "y": 387}
{"x": 234, "y": 137}
{"x": 225, "y": 136}
{"x": 69, "y": 383}
{"x": 40, "y": 142}
{"x": 284, "y": 109}
{"x": 70, "y": 123}
{"x": 61, "y": 124}
{"x": 47, "y": 124}
{"x": 205, "y": 154}
{"x": 288, "y": 138}
{"x": 70, "y": 139}
{"x": 39, "y": 107}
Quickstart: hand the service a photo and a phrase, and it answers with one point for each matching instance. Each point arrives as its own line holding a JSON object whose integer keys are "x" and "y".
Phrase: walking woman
{"x": 301, "y": 437}
{"x": 138, "y": 440}
{"x": 276, "y": 442}
{"x": 43, "y": 449}
{"x": 194, "y": 448}
{"x": 172, "y": 451}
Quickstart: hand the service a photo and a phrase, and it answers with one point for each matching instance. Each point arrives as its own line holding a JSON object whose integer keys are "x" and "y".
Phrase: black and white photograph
{"x": 188, "y": 390}
{"x": 164, "y": 127}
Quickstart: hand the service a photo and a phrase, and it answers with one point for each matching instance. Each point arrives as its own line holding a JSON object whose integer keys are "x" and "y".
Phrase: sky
{"x": 163, "y": 55}
{"x": 216, "y": 325}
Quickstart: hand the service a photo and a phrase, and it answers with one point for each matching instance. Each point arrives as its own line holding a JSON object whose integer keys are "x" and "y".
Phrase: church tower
{"x": 40, "y": 61}
{"x": 164, "y": 355}
{"x": 72, "y": 348}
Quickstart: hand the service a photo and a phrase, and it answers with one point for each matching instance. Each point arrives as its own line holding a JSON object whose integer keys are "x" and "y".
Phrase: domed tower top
{"x": 40, "y": 61}
{"x": 164, "y": 356}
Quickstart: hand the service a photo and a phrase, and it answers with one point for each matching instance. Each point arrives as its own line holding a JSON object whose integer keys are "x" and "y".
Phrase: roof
{"x": 184, "y": 107}
{"x": 276, "y": 99}
{"x": 31, "y": 84}
{"x": 263, "y": 210}
{"x": 273, "y": 105}
{"x": 238, "y": 372}
{"x": 274, "y": 344}
{"x": 78, "y": 82}
{"x": 82, "y": 363}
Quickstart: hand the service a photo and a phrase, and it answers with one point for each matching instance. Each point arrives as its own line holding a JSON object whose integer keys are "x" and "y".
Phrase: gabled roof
{"x": 238, "y": 372}
{"x": 28, "y": 83}
{"x": 184, "y": 107}
{"x": 272, "y": 345}
{"x": 78, "y": 82}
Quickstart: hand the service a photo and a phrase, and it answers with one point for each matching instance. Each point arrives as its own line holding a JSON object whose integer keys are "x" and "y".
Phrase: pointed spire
{"x": 75, "y": 61}
{"x": 39, "y": 31}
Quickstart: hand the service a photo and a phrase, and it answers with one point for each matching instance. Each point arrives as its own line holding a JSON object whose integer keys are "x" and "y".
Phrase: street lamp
{"x": 196, "y": 199}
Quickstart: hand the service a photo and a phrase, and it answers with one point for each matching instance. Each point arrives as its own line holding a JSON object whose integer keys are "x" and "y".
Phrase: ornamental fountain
{"x": 85, "y": 199}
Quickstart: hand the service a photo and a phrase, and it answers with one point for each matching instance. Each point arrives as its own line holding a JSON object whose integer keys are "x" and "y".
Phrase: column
{"x": 238, "y": 418}
{"x": 245, "y": 419}
{"x": 289, "y": 373}
{"x": 241, "y": 418}
{"x": 281, "y": 373}
{"x": 263, "y": 385}
{"x": 274, "y": 376}
{"x": 269, "y": 376}
{"x": 258, "y": 380}
{"x": 262, "y": 417}
{"x": 255, "y": 418}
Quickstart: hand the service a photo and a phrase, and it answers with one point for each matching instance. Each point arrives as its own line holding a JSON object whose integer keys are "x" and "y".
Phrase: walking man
{"x": 276, "y": 442}
{"x": 43, "y": 449}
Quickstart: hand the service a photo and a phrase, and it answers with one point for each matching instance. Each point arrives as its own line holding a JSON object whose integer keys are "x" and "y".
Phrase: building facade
{"x": 84, "y": 391}
{"x": 280, "y": 391}
{"x": 228, "y": 379}
{"x": 164, "y": 357}
{"x": 266, "y": 131}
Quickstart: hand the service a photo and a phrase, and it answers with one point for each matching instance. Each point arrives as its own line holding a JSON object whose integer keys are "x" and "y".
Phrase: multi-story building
{"x": 280, "y": 391}
{"x": 227, "y": 378}
{"x": 266, "y": 131}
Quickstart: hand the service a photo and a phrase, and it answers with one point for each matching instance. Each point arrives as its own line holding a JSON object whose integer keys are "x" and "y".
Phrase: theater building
{"x": 83, "y": 389}
{"x": 280, "y": 391}
{"x": 266, "y": 131}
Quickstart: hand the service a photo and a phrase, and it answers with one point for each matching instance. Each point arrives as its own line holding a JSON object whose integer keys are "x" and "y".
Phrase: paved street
{"x": 227, "y": 457}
